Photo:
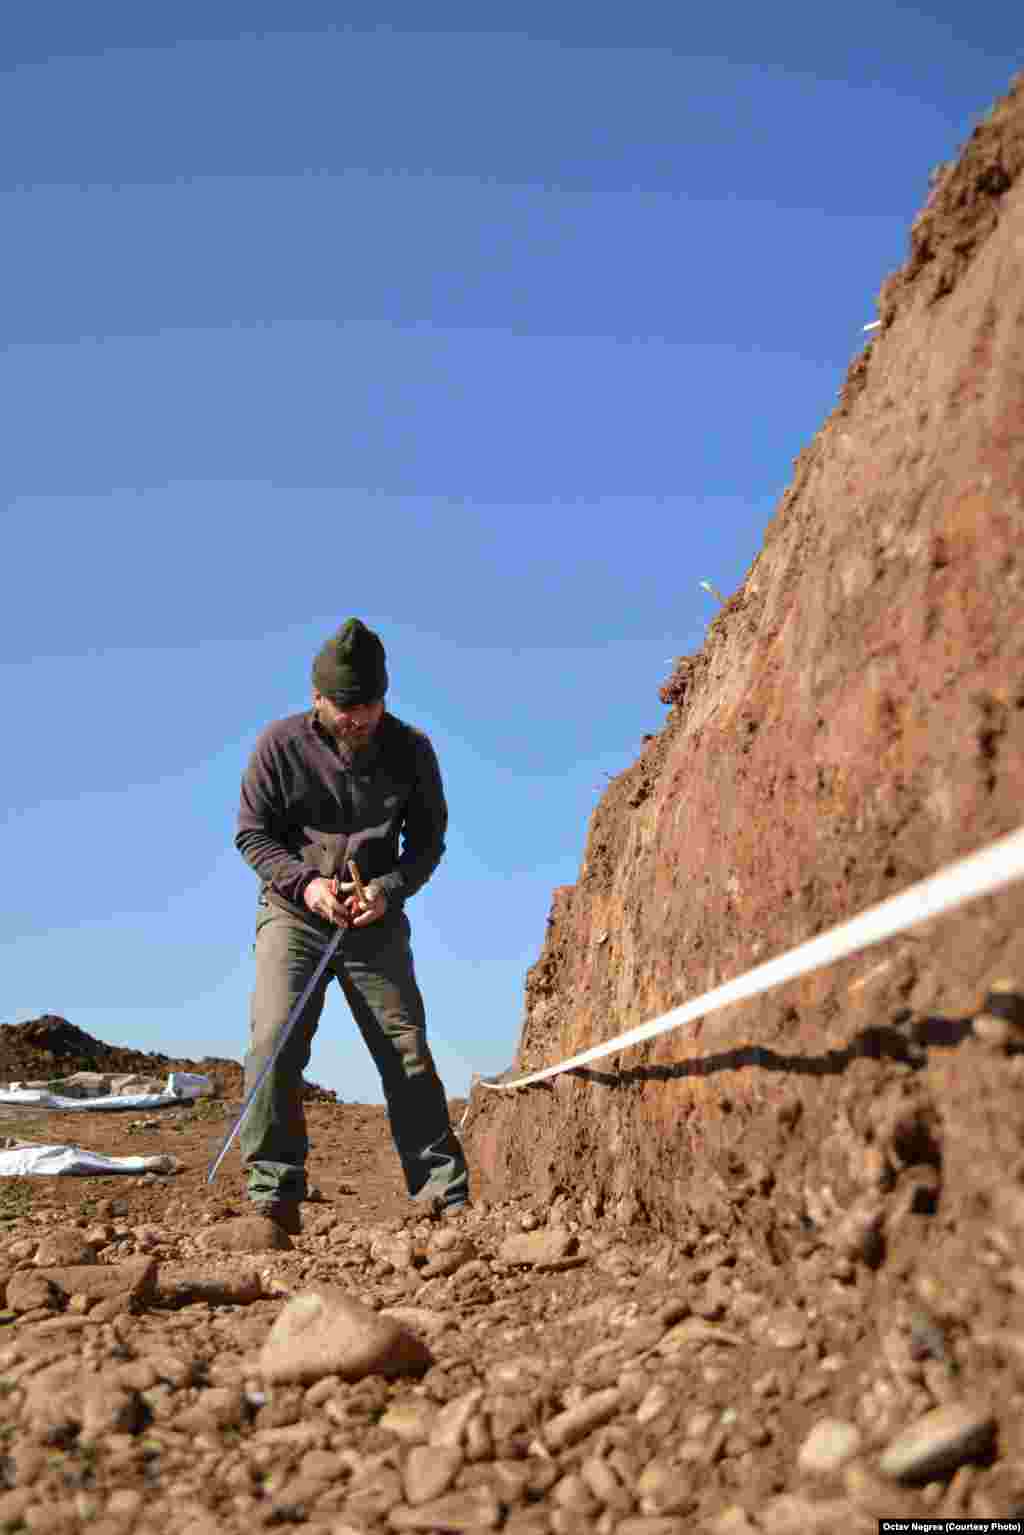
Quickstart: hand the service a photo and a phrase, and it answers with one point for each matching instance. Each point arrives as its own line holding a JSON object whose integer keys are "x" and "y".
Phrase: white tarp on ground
{"x": 181, "y": 1087}
{"x": 25, "y": 1161}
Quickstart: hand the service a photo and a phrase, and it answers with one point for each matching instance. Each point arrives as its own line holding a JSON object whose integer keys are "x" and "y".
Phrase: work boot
{"x": 283, "y": 1212}
{"x": 439, "y": 1209}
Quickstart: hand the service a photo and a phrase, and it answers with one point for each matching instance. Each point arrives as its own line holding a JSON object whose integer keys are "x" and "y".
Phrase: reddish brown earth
{"x": 712, "y": 1284}
{"x": 854, "y": 722}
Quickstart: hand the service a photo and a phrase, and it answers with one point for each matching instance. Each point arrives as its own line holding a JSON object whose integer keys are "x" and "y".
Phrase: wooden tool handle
{"x": 360, "y": 887}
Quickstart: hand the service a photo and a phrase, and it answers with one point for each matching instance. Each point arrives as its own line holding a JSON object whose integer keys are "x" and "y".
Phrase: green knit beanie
{"x": 350, "y": 668}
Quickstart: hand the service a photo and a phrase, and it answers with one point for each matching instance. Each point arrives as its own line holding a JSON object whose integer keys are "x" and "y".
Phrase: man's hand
{"x": 322, "y": 897}
{"x": 359, "y": 912}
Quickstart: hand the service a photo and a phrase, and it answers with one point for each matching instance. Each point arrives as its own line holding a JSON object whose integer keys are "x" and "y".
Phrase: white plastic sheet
{"x": 189, "y": 1084}
{"x": 181, "y": 1087}
{"x": 29, "y": 1161}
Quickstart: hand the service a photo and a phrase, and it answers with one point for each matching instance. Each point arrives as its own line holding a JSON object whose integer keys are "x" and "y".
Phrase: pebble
{"x": 604, "y": 1484}
{"x": 449, "y": 1259}
{"x": 449, "y": 1430}
{"x": 62, "y": 1249}
{"x": 939, "y": 1442}
{"x": 326, "y": 1332}
{"x": 695, "y": 1329}
{"x": 790, "y": 1515}
{"x": 216, "y": 1408}
{"x": 239, "y": 1287}
{"x": 475, "y": 1509}
{"x": 663, "y": 1488}
{"x": 576, "y": 1422}
{"x": 28, "y": 1291}
{"x": 246, "y": 1234}
{"x": 655, "y": 1401}
{"x": 548, "y": 1246}
{"x": 828, "y": 1446}
{"x": 398, "y": 1251}
{"x": 373, "y": 1491}
{"x": 786, "y": 1329}
{"x": 410, "y": 1421}
{"x": 135, "y": 1278}
{"x": 700, "y": 1423}
{"x": 993, "y": 1031}
{"x": 429, "y": 1471}
{"x": 572, "y": 1492}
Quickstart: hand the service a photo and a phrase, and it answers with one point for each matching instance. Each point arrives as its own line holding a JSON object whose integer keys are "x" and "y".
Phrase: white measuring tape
{"x": 981, "y": 873}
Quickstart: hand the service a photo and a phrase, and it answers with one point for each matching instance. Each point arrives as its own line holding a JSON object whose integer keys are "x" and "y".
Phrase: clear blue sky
{"x": 499, "y": 326}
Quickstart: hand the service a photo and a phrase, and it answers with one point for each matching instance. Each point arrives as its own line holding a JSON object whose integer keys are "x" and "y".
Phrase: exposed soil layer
{"x": 854, "y": 722}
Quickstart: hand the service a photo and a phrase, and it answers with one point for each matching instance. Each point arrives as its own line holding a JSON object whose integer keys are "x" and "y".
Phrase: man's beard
{"x": 350, "y": 737}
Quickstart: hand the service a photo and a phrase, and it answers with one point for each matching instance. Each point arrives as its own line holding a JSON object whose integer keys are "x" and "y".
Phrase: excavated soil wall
{"x": 854, "y": 722}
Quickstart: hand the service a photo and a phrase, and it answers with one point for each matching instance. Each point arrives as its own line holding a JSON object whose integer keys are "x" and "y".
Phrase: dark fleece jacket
{"x": 307, "y": 807}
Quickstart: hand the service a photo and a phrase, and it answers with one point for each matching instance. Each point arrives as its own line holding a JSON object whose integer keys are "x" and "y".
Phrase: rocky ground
{"x": 169, "y": 1362}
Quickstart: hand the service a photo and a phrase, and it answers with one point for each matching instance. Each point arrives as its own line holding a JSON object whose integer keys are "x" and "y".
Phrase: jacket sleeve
{"x": 262, "y": 827}
{"x": 423, "y": 828}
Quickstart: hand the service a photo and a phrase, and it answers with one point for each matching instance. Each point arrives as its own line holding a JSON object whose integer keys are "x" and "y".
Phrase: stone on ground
{"x": 60, "y": 1249}
{"x": 247, "y": 1234}
{"x": 429, "y": 1471}
{"x": 133, "y": 1279}
{"x": 535, "y": 1248}
{"x": 239, "y": 1287}
{"x": 939, "y": 1442}
{"x": 828, "y": 1446}
{"x": 326, "y": 1332}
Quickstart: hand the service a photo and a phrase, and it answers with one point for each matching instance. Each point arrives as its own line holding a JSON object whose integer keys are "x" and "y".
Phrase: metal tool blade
{"x": 279, "y": 1045}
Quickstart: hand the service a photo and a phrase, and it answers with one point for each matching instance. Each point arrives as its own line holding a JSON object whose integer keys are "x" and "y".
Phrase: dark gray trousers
{"x": 374, "y": 968}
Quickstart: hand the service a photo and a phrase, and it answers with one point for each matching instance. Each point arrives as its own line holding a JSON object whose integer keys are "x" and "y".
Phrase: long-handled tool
{"x": 285, "y": 1033}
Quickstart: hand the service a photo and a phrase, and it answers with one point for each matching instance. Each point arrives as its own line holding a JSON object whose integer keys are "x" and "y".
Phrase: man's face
{"x": 352, "y": 726}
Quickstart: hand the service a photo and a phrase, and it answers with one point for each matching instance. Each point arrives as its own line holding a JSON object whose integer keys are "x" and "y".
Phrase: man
{"x": 339, "y": 783}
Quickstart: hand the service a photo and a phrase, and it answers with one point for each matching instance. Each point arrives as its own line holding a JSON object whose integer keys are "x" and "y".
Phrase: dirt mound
{"x": 50, "y": 1046}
